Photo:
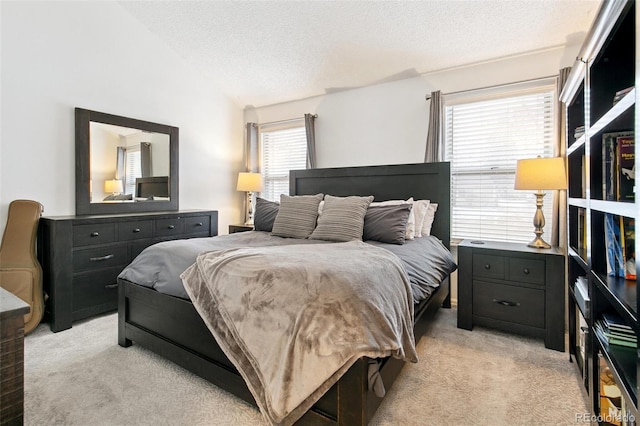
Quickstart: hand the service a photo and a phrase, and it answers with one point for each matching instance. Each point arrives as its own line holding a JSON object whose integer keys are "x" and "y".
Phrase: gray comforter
{"x": 426, "y": 261}
{"x": 294, "y": 318}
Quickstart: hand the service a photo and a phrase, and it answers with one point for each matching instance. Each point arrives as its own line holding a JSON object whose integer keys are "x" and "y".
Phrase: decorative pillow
{"x": 387, "y": 224}
{"x": 428, "y": 219}
{"x": 296, "y": 216}
{"x": 411, "y": 223}
{"x": 420, "y": 211}
{"x": 265, "y": 215}
{"x": 342, "y": 218}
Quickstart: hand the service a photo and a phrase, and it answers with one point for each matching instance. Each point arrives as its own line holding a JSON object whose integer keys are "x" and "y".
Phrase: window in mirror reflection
{"x": 124, "y": 154}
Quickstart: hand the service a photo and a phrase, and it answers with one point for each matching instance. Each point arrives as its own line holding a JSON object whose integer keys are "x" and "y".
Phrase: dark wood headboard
{"x": 423, "y": 181}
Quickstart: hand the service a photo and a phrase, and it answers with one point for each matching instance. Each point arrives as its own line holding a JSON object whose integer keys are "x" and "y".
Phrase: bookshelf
{"x": 600, "y": 99}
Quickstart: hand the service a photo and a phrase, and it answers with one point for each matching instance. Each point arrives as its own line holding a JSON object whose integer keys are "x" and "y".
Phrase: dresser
{"x": 81, "y": 256}
{"x": 512, "y": 287}
{"x": 12, "y": 311}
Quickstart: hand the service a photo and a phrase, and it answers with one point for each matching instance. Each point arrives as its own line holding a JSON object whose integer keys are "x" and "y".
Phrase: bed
{"x": 172, "y": 327}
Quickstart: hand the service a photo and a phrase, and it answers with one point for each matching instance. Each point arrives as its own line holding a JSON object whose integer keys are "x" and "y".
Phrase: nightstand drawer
{"x": 509, "y": 303}
{"x": 488, "y": 266}
{"x": 526, "y": 271}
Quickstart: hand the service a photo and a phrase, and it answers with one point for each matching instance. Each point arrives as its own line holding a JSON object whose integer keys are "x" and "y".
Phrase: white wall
{"x": 60, "y": 55}
{"x": 387, "y": 123}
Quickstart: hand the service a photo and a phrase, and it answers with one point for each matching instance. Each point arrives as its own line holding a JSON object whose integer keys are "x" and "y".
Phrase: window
{"x": 484, "y": 138}
{"x": 133, "y": 168}
{"x": 281, "y": 150}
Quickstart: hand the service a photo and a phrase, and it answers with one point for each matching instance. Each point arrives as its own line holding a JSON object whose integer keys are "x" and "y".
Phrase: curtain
{"x": 145, "y": 159}
{"x": 435, "y": 142}
{"x": 310, "y": 128}
{"x": 251, "y": 148}
{"x": 120, "y": 163}
{"x": 559, "y": 224}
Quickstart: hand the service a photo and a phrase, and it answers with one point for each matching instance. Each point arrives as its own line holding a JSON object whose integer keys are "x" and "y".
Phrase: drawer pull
{"x": 526, "y": 271}
{"x": 199, "y": 224}
{"x": 111, "y": 285}
{"x": 135, "y": 231}
{"x": 506, "y": 303}
{"x": 487, "y": 266}
{"x": 101, "y": 258}
{"x": 95, "y": 234}
{"x": 170, "y": 227}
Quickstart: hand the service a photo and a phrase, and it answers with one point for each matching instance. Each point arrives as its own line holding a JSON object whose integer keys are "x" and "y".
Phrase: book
{"x": 582, "y": 230}
{"x": 612, "y": 239}
{"x": 610, "y": 165}
{"x": 621, "y": 94}
{"x": 625, "y": 168}
{"x": 628, "y": 240}
{"x": 609, "y": 190}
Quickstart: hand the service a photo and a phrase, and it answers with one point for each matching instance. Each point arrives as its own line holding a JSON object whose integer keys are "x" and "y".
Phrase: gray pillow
{"x": 265, "y": 215}
{"x": 296, "y": 216}
{"x": 342, "y": 218}
{"x": 387, "y": 224}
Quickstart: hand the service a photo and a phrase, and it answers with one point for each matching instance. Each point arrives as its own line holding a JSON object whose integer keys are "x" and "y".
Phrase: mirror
{"x": 124, "y": 165}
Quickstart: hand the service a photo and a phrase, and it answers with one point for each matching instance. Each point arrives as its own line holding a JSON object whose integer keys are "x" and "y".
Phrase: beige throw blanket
{"x": 293, "y": 319}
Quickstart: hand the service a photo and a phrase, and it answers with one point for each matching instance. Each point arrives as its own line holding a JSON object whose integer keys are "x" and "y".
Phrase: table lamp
{"x": 539, "y": 174}
{"x": 249, "y": 183}
{"x": 113, "y": 186}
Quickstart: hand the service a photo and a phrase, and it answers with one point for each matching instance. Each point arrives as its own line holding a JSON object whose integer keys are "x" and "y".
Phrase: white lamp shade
{"x": 113, "y": 186}
{"x": 249, "y": 182}
{"x": 540, "y": 173}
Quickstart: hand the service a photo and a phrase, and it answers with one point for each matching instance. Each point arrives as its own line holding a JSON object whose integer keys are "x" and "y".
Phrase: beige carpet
{"x": 82, "y": 377}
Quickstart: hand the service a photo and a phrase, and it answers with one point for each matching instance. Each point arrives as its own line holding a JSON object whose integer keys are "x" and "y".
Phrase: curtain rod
{"x": 285, "y": 121}
{"x": 427, "y": 97}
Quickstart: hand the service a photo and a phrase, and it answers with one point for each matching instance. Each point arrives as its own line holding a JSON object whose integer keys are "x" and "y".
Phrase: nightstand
{"x": 239, "y": 228}
{"x": 512, "y": 287}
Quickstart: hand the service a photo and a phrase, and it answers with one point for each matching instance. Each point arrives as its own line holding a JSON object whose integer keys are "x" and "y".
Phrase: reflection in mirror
{"x": 120, "y": 156}
{"x": 124, "y": 165}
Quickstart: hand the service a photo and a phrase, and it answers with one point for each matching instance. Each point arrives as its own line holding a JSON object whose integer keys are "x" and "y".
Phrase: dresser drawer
{"x": 509, "y": 303}
{"x": 169, "y": 227}
{"x": 526, "y": 271}
{"x": 488, "y": 266}
{"x": 197, "y": 225}
{"x": 89, "y": 235}
{"x": 135, "y": 230}
{"x": 100, "y": 258}
{"x": 96, "y": 289}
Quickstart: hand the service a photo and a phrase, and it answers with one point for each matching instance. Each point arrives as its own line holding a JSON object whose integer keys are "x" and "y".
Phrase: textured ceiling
{"x": 267, "y": 52}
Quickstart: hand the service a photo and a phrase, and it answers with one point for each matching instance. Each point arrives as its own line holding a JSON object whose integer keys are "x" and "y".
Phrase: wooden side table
{"x": 12, "y": 311}
{"x": 512, "y": 287}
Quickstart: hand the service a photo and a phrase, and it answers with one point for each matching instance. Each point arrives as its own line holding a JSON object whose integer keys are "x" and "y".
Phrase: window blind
{"x": 483, "y": 140}
{"x": 133, "y": 170}
{"x": 281, "y": 150}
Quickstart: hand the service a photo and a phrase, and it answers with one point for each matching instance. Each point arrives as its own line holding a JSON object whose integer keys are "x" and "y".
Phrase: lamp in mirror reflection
{"x": 113, "y": 186}
{"x": 540, "y": 174}
{"x": 250, "y": 183}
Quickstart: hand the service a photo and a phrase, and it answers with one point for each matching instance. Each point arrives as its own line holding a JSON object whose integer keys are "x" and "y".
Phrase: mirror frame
{"x": 84, "y": 206}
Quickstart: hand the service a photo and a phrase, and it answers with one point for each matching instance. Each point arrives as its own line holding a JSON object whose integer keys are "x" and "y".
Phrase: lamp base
{"x": 538, "y": 223}
{"x": 539, "y": 243}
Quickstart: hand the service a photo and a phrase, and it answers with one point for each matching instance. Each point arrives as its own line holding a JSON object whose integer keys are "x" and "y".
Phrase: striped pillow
{"x": 342, "y": 218}
{"x": 296, "y": 216}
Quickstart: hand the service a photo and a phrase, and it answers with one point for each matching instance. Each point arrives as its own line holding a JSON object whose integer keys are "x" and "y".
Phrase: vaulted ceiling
{"x": 267, "y": 52}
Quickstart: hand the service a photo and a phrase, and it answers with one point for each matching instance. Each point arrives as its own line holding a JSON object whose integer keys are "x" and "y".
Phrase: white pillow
{"x": 411, "y": 222}
{"x": 428, "y": 219}
{"x": 420, "y": 208}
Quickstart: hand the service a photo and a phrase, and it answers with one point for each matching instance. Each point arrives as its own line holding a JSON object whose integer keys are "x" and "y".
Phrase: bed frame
{"x": 172, "y": 328}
